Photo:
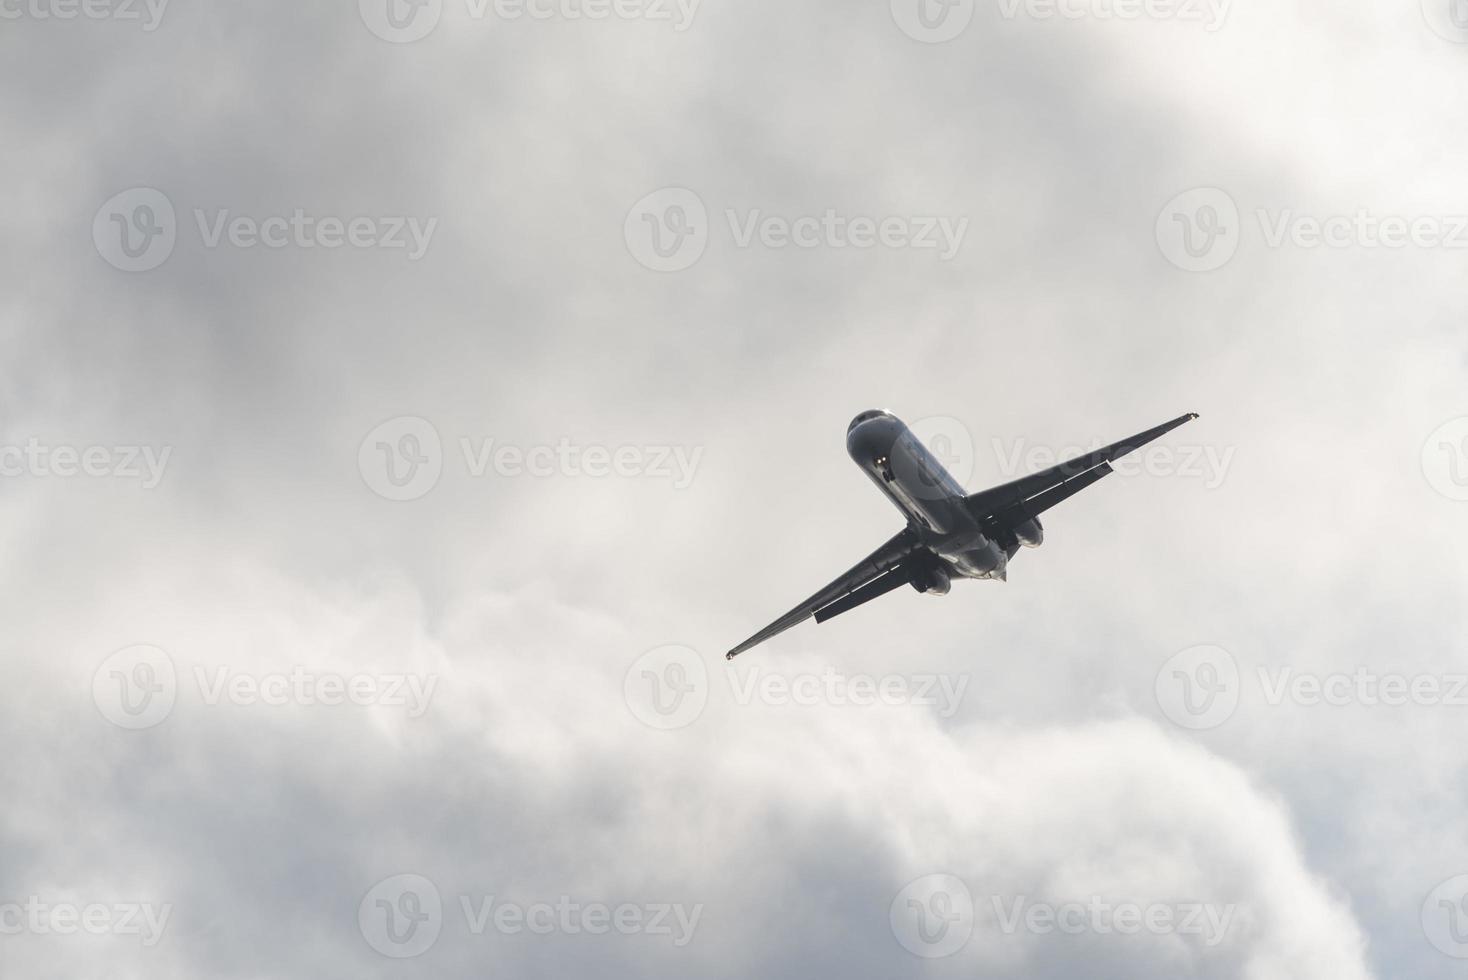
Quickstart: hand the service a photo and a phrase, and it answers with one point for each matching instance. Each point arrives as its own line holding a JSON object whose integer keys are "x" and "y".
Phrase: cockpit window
{"x": 864, "y": 417}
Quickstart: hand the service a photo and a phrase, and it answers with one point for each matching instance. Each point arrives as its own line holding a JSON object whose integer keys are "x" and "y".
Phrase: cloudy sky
{"x": 407, "y": 404}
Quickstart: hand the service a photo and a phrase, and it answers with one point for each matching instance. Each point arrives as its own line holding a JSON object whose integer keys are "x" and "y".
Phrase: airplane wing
{"x": 1031, "y": 495}
{"x": 876, "y": 575}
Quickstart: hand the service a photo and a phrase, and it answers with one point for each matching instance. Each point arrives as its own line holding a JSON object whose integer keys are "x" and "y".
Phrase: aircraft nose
{"x": 872, "y": 438}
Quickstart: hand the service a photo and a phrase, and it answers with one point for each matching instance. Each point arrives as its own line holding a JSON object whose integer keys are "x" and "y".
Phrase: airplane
{"x": 949, "y": 534}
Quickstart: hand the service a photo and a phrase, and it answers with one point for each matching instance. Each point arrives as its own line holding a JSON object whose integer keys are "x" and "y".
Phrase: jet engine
{"x": 1029, "y": 532}
{"x": 932, "y": 579}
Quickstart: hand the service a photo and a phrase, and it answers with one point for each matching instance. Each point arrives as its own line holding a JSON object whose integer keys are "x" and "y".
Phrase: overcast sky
{"x": 406, "y": 405}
